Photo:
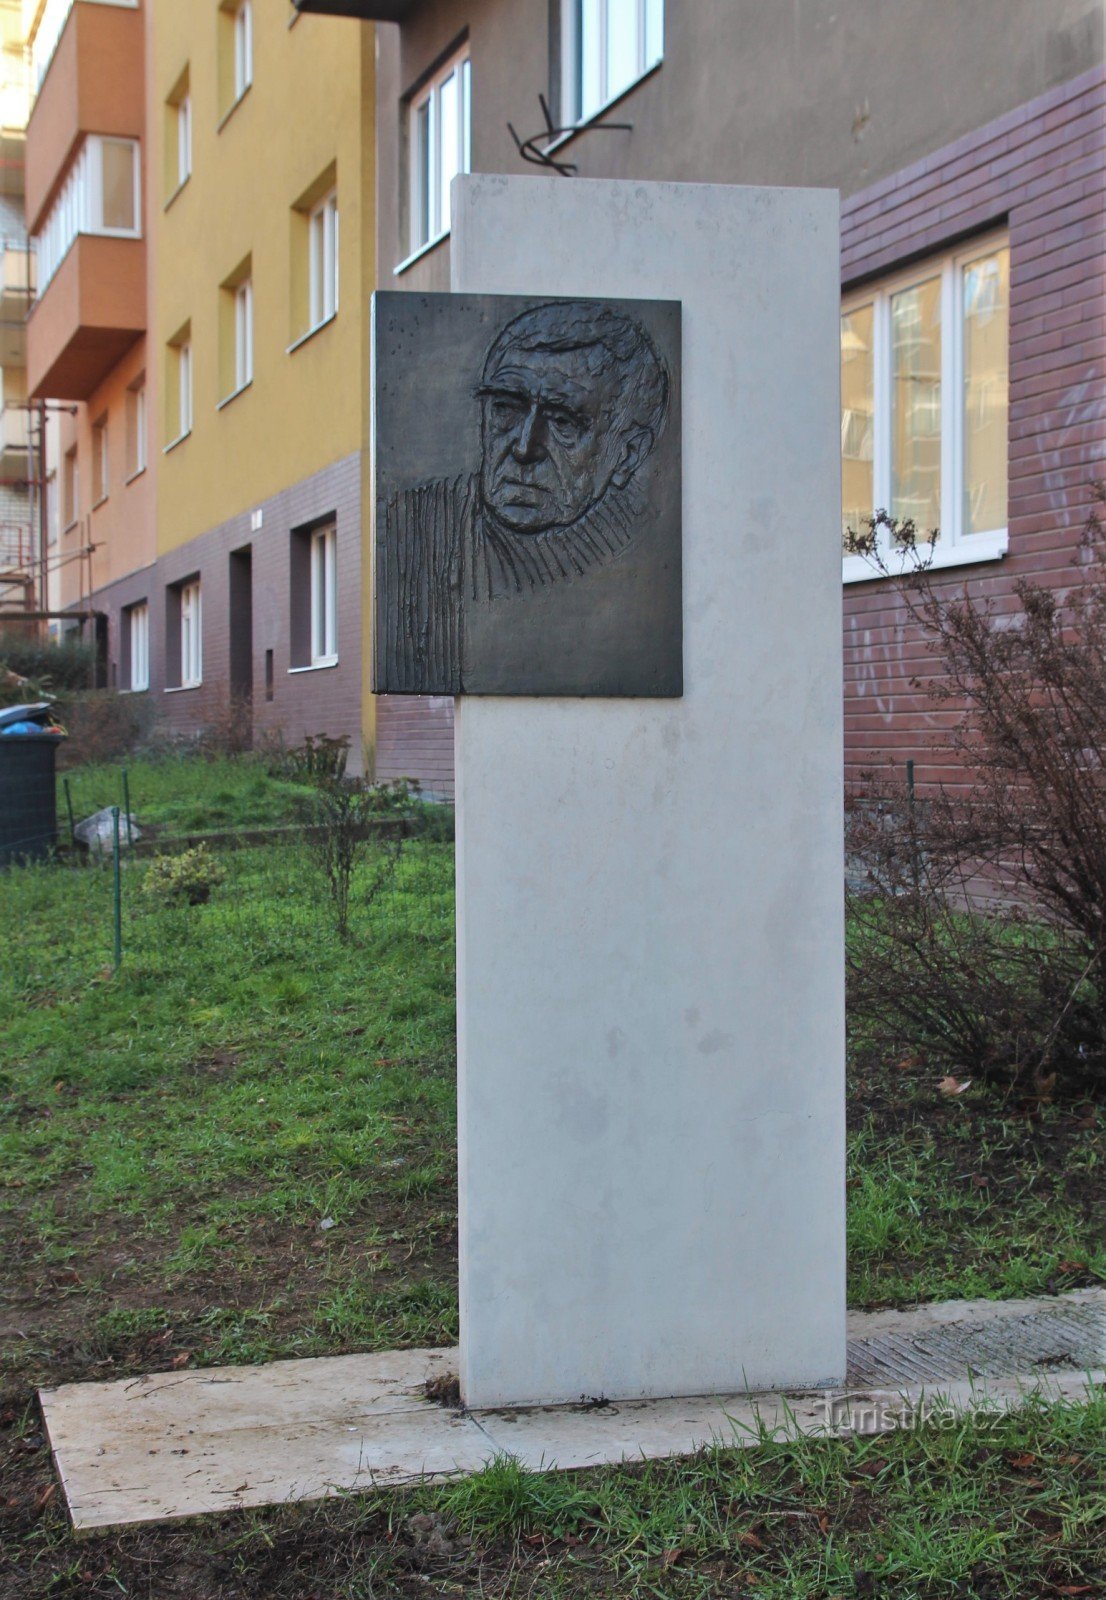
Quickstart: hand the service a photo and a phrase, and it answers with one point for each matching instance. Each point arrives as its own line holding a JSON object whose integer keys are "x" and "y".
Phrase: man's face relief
{"x": 553, "y": 437}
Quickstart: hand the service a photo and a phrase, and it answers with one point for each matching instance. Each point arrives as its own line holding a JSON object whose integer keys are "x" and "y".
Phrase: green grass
{"x": 990, "y": 1506}
{"x": 174, "y": 1136}
{"x": 182, "y": 794}
{"x": 924, "y": 1224}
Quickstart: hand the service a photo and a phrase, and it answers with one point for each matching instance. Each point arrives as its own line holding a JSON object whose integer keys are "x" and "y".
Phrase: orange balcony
{"x": 94, "y": 84}
{"x": 91, "y": 312}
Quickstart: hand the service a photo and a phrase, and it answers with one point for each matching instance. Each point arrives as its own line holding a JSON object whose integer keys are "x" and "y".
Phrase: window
{"x": 236, "y": 331}
{"x": 235, "y": 52}
{"x": 70, "y": 489}
{"x": 191, "y": 635}
{"x": 925, "y": 397}
{"x": 243, "y": 48}
{"x": 440, "y": 143}
{"x": 136, "y": 427}
{"x": 323, "y": 261}
{"x": 178, "y": 130}
{"x": 136, "y": 621}
{"x": 606, "y": 46}
{"x": 313, "y": 595}
{"x": 324, "y": 597}
{"x": 243, "y": 334}
{"x": 99, "y": 460}
{"x": 100, "y": 195}
{"x": 178, "y": 386}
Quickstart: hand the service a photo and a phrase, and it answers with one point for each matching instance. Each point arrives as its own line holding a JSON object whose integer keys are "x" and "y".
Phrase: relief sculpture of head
{"x": 573, "y": 399}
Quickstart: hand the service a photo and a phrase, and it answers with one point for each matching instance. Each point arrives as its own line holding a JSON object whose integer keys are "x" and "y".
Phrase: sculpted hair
{"x": 616, "y": 340}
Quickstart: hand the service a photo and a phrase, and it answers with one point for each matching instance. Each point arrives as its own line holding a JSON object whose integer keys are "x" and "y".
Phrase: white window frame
{"x": 322, "y": 261}
{"x": 426, "y": 188}
{"x": 138, "y": 645}
{"x": 324, "y": 596}
{"x": 184, "y": 388}
{"x": 79, "y": 206}
{"x": 184, "y": 138}
{"x": 243, "y": 47}
{"x": 954, "y": 547}
{"x": 191, "y": 635}
{"x": 243, "y": 334}
{"x": 586, "y": 27}
{"x": 136, "y": 429}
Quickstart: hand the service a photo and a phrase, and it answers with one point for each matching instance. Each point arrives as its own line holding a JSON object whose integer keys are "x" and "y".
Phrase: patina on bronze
{"x": 527, "y": 457}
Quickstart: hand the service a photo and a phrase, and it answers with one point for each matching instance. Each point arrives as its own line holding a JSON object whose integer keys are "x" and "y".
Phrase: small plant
{"x": 185, "y": 879}
{"x": 321, "y": 758}
{"x": 350, "y": 821}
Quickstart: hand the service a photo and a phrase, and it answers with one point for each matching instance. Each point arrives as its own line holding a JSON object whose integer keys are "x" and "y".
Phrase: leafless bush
{"x": 354, "y": 824}
{"x": 102, "y": 726}
{"x": 979, "y": 934}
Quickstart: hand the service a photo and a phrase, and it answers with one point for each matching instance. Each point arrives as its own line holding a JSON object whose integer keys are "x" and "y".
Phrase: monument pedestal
{"x": 650, "y": 939}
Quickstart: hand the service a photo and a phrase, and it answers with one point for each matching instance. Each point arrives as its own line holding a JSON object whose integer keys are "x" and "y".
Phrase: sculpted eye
{"x": 505, "y": 412}
{"x": 566, "y": 428}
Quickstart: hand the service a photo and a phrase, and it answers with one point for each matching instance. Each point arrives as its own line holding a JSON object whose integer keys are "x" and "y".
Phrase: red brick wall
{"x": 1042, "y": 170}
{"x": 414, "y": 739}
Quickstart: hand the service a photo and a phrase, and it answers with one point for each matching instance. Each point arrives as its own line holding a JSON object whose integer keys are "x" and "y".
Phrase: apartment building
{"x": 200, "y": 185}
{"x": 22, "y": 573}
{"x": 968, "y": 145}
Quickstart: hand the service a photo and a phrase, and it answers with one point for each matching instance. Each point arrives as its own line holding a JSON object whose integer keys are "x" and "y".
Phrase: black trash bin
{"x": 28, "y": 786}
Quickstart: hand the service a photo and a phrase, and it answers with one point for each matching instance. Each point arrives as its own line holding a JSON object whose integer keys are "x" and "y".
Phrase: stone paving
{"x": 177, "y": 1444}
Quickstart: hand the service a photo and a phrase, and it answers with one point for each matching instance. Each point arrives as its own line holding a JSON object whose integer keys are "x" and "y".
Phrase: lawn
{"x": 240, "y": 1146}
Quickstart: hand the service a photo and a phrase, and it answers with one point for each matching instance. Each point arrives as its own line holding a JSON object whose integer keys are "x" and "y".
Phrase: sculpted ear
{"x": 636, "y": 445}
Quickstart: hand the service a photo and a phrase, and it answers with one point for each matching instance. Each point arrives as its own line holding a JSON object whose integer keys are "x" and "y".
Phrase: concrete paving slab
{"x": 179, "y": 1444}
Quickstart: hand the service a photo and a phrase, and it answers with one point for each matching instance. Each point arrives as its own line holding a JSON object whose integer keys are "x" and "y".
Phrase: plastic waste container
{"x": 28, "y": 785}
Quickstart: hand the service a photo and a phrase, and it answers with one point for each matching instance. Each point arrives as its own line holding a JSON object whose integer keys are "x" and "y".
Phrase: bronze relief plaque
{"x": 528, "y": 503}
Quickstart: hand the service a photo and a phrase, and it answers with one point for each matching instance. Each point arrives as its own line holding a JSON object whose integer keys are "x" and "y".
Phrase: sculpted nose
{"x": 529, "y": 444}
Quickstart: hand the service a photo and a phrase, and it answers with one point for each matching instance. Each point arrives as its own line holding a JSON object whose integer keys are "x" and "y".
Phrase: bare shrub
{"x": 979, "y": 933}
{"x": 354, "y": 824}
{"x": 102, "y": 726}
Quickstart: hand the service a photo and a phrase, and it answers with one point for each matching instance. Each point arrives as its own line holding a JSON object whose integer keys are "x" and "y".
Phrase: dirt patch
{"x": 119, "y": 1304}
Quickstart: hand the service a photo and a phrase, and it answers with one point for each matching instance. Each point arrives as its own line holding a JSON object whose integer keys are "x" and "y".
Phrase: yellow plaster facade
{"x": 259, "y": 163}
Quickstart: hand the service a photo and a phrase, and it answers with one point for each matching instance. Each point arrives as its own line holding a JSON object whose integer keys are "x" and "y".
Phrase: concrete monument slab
{"x": 650, "y": 941}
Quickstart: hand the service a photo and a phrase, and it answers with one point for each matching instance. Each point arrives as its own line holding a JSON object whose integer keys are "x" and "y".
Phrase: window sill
{"x": 182, "y": 688}
{"x": 232, "y": 108}
{"x": 316, "y": 666}
{"x": 597, "y": 116}
{"x": 233, "y": 395}
{"x": 173, "y": 443}
{"x": 423, "y": 250}
{"x": 310, "y": 334}
{"x": 69, "y": 526}
{"x": 181, "y": 186}
{"x": 96, "y": 504}
{"x": 145, "y": 689}
{"x": 134, "y": 477}
{"x": 972, "y": 551}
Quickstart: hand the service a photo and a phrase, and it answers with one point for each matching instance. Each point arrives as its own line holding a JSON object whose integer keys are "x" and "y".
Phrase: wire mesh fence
{"x": 216, "y": 862}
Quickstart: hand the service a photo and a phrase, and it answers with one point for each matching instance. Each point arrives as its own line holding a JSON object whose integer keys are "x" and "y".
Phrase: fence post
{"x": 127, "y": 808}
{"x": 117, "y": 888}
{"x": 69, "y": 808}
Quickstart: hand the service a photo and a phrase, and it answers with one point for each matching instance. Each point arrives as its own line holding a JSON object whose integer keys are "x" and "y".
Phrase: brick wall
{"x": 324, "y": 700}
{"x": 1042, "y": 171}
{"x": 414, "y": 739}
